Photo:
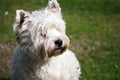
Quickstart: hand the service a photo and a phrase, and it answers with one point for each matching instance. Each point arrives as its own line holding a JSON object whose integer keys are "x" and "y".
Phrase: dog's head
{"x": 41, "y": 33}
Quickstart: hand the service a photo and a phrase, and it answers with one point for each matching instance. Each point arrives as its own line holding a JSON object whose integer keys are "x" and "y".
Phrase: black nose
{"x": 58, "y": 43}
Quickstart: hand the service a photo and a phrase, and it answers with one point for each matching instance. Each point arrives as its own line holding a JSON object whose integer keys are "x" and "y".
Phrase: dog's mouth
{"x": 57, "y": 51}
{"x": 58, "y": 48}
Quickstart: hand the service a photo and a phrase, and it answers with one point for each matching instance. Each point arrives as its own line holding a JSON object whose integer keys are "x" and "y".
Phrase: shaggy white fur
{"x": 42, "y": 52}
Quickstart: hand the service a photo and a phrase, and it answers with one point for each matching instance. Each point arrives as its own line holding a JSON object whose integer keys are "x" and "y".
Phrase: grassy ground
{"x": 93, "y": 28}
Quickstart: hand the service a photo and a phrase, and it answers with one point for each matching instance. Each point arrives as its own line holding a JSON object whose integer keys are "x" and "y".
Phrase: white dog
{"x": 42, "y": 52}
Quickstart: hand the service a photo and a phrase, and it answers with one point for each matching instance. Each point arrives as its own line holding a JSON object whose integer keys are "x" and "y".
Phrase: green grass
{"x": 93, "y": 28}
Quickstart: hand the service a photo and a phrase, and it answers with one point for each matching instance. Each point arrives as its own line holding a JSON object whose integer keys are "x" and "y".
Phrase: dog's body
{"x": 42, "y": 53}
{"x": 62, "y": 67}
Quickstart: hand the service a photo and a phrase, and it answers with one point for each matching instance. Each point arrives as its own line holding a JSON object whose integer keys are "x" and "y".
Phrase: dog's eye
{"x": 43, "y": 35}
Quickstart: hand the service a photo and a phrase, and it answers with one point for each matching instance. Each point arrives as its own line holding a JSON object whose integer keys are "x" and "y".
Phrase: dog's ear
{"x": 21, "y": 17}
{"x": 53, "y": 6}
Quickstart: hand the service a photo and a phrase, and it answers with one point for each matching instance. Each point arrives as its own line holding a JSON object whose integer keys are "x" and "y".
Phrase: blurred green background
{"x": 93, "y": 27}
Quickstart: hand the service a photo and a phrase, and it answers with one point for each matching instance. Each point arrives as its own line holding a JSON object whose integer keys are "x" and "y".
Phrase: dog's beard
{"x": 56, "y": 52}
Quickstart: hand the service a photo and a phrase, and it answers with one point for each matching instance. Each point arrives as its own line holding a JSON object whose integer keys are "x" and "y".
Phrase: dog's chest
{"x": 54, "y": 69}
